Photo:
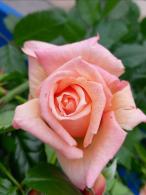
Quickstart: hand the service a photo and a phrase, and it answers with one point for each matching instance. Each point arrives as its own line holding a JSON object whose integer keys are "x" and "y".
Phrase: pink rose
{"x": 78, "y": 105}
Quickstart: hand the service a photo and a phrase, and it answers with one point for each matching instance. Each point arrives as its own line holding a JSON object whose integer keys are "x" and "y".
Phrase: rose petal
{"x": 36, "y": 76}
{"x": 84, "y": 172}
{"x": 90, "y": 51}
{"x": 27, "y": 117}
{"x": 96, "y": 94}
{"x": 82, "y": 96}
{"x": 77, "y": 126}
{"x": 129, "y": 118}
{"x": 127, "y": 115}
{"x": 123, "y": 98}
{"x": 105, "y": 59}
{"x": 30, "y": 47}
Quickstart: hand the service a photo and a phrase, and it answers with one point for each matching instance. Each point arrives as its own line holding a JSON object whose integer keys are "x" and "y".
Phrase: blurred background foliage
{"x": 124, "y": 34}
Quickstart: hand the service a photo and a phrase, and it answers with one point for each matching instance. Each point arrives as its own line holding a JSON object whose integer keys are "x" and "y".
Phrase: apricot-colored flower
{"x": 78, "y": 105}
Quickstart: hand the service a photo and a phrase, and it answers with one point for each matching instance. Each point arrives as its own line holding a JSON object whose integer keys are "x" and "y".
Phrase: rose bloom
{"x": 78, "y": 105}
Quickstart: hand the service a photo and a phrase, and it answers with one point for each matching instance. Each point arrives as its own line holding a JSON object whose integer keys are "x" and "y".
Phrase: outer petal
{"x": 106, "y": 143}
{"x": 127, "y": 115}
{"x": 129, "y": 118}
{"x": 27, "y": 117}
{"x": 36, "y": 76}
{"x": 30, "y": 47}
{"x": 93, "y": 53}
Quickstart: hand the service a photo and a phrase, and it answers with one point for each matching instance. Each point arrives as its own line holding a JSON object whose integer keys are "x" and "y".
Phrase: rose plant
{"x": 78, "y": 105}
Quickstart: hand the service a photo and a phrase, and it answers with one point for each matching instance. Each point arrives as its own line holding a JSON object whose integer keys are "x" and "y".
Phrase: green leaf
{"x": 110, "y": 170}
{"x": 143, "y": 27}
{"x": 109, "y": 6}
{"x": 130, "y": 11}
{"x": 132, "y": 54}
{"x": 49, "y": 180}
{"x": 29, "y": 151}
{"x": 125, "y": 157}
{"x": 6, "y": 118}
{"x": 74, "y": 30}
{"x": 134, "y": 137}
{"x": 10, "y": 22}
{"x": 43, "y": 26}
{"x": 6, "y": 187}
{"x": 120, "y": 189}
{"x": 11, "y": 59}
{"x": 128, "y": 16}
{"x": 51, "y": 155}
{"x": 141, "y": 151}
{"x": 89, "y": 11}
{"x": 111, "y": 32}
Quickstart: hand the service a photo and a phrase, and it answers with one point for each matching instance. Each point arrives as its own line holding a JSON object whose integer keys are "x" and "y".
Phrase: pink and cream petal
{"x": 127, "y": 115}
{"x": 107, "y": 142}
{"x": 27, "y": 117}
{"x": 103, "y": 58}
{"x": 123, "y": 98}
{"x": 78, "y": 127}
{"x": 129, "y": 118}
{"x": 36, "y": 76}
{"x": 39, "y": 48}
{"x": 97, "y": 96}
{"x": 84, "y": 172}
{"x": 89, "y": 50}
{"x": 30, "y": 47}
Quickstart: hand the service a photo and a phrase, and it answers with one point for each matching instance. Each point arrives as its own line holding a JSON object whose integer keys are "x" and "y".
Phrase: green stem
{"x": 12, "y": 93}
{"x": 10, "y": 176}
{"x": 53, "y": 158}
{"x": 20, "y": 99}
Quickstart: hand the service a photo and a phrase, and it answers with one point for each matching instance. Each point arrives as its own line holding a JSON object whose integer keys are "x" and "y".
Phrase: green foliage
{"x": 111, "y": 32}
{"x": 6, "y": 120}
{"x": 132, "y": 55}
{"x": 120, "y": 189}
{"x": 44, "y": 25}
{"x": 88, "y": 10}
{"x": 11, "y": 59}
{"x": 7, "y": 188}
{"x": 50, "y": 180}
{"x": 29, "y": 151}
